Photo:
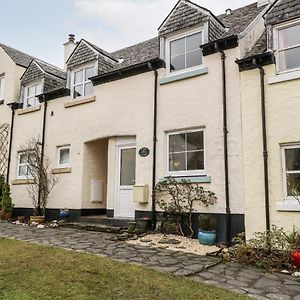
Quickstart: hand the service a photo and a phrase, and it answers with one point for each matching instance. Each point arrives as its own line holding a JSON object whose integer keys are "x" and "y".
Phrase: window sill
{"x": 284, "y": 77}
{"x": 22, "y": 181}
{"x": 194, "y": 179}
{"x": 80, "y": 101}
{"x": 28, "y": 110}
{"x": 185, "y": 75}
{"x": 61, "y": 171}
{"x": 288, "y": 205}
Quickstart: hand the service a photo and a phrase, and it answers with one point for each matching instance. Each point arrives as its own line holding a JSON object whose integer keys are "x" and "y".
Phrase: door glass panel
{"x": 127, "y": 172}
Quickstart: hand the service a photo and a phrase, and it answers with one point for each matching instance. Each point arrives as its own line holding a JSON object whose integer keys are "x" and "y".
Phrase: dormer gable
{"x": 187, "y": 14}
{"x": 86, "y": 52}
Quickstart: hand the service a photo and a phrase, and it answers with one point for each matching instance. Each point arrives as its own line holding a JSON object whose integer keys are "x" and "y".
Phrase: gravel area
{"x": 186, "y": 245}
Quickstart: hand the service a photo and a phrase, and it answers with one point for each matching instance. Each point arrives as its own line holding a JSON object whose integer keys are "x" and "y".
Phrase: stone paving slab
{"x": 232, "y": 276}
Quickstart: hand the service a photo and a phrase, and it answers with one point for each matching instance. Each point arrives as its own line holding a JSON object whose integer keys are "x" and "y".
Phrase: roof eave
{"x": 222, "y": 44}
{"x": 128, "y": 71}
{"x": 262, "y": 59}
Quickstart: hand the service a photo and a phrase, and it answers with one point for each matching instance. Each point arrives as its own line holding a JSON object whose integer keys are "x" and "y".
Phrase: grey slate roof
{"x": 240, "y": 18}
{"x": 48, "y": 68}
{"x": 137, "y": 54}
{"x": 283, "y": 10}
{"x": 20, "y": 58}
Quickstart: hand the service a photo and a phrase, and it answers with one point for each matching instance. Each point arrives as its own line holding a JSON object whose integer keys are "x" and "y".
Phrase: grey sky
{"x": 111, "y": 24}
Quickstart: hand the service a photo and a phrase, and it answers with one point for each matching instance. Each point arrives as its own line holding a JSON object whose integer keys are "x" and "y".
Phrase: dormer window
{"x": 82, "y": 86}
{"x": 288, "y": 47}
{"x": 184, "y": 52}
{"x": 30, "y": 93}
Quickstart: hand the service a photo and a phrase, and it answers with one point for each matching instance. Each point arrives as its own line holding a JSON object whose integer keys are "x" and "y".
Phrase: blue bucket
{"x": 207, "y": 237}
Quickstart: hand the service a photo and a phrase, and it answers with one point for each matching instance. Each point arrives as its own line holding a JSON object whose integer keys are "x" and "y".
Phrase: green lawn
{"x": 39, "y": 272}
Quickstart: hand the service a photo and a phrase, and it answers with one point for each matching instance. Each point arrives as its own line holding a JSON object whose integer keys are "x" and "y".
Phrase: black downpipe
{"x": 42, "y": 149}
{"x": 225, "y": 131}
{"x": 265, "y": 143}
{"x": 13, "y": 113}
{"x": 154, "y": 150}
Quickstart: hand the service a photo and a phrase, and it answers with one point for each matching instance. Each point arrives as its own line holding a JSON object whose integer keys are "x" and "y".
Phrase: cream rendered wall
{"x": 122, "y": 108}
{"x": 197, "y": 103}
{"x": 13, "y": 74}
{"x": 94, "y": 168}
{"x": 282, "y": 113}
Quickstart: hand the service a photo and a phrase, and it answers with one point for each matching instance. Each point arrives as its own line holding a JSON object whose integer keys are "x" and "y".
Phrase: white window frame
{"x": 22, "y": 165}
{"x": 276, "y": 31}
{"x": 2, "y": 82}
{"x": 83, "y": 83}
{"x": 26, "y": 96}
{"x": 59, "y": 149}
{"x": 285, "y": 172}
{"x": 168, "y": 51}
{"x": 187, "y": 172}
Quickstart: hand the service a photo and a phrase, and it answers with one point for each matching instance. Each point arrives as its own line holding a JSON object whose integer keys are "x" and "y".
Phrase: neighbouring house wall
{"x": 282, "y": 114}
{"x": 13, "y": 74}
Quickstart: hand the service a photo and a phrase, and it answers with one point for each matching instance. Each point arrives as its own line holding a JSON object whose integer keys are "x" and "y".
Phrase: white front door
{"x": 126, "y": 180}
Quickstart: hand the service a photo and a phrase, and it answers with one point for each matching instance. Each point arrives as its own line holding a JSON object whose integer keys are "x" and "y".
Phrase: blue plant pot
{"x": 64, "y": 214}
{"x": 207, "y": 237}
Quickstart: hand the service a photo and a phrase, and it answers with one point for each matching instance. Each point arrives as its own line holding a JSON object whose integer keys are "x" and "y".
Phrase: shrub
{"x": 268, "y": 250}
{"x": 7, "y": 205}
{"x": 2, "y": 182}
{"x": 177, "y": 199}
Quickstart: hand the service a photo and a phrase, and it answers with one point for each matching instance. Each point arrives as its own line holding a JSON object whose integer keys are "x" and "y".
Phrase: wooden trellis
{"x": 4, "y": 143}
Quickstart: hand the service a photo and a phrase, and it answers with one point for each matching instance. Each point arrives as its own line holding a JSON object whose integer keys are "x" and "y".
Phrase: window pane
{"x": 22, "y": 171}
{"x": 177, "y": 47}
{"x": 38, "y": 89}
{"x": 88, "y": 89}
{"x": 177, "y": 162}
{"x": 64, "y": 156}
{"x": 78, "y": 91}
{"x": 31, "y": 101}
{"x": 289, "y": 59}
{"x": 194, "y": 58}
{"x": 23, "y": 158}
{"x": 78, "y": 77}
{"x": 195, "y": 160}
{"x": 195, "y": 141}
{"x": 293, "y": 184}
{"x": 292, "y": 159}
{"x": 289, "y": 37}
{"x": 90, "y": 72}
{"x": 177, "y": 63}
{"x": 127, "y": 167}
{"x": 177, "y": 143}
{"x": 193, "y": 42}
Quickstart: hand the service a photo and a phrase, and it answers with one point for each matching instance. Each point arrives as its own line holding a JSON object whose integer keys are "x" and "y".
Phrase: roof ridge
{"x": 51, "y": 65}
{"x": 5, "y": 45}
{"x": 100, "y": 50}
{"x": 238, "y": 8}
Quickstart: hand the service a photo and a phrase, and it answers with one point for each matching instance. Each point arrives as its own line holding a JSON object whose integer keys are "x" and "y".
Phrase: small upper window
{"x": 1, "y": 87}
{"x": 291, "y": 169}
{"x": 30, "y": 95}
{"x": 82, "y": 86}
{"x": 186, "y": 153}
{"x": 185, "y": 52}
{"x": 64, "y": 156}
{"x": 289, "y": 48}
{"x": 24, "y": 165}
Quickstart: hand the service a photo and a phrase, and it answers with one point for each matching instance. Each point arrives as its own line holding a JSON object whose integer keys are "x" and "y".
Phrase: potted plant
{"x": 64, "y": 213}
{"x": 207, "y": 230}
{"x": 7, "y": 205}
{"x": 142, "y": 224}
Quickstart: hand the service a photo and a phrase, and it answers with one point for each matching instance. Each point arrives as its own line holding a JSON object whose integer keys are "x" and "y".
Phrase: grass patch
{"x": 30, "y": 271}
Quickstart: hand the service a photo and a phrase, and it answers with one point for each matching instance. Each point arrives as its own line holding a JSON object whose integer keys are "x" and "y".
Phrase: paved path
{"x": 231, "y": 276}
